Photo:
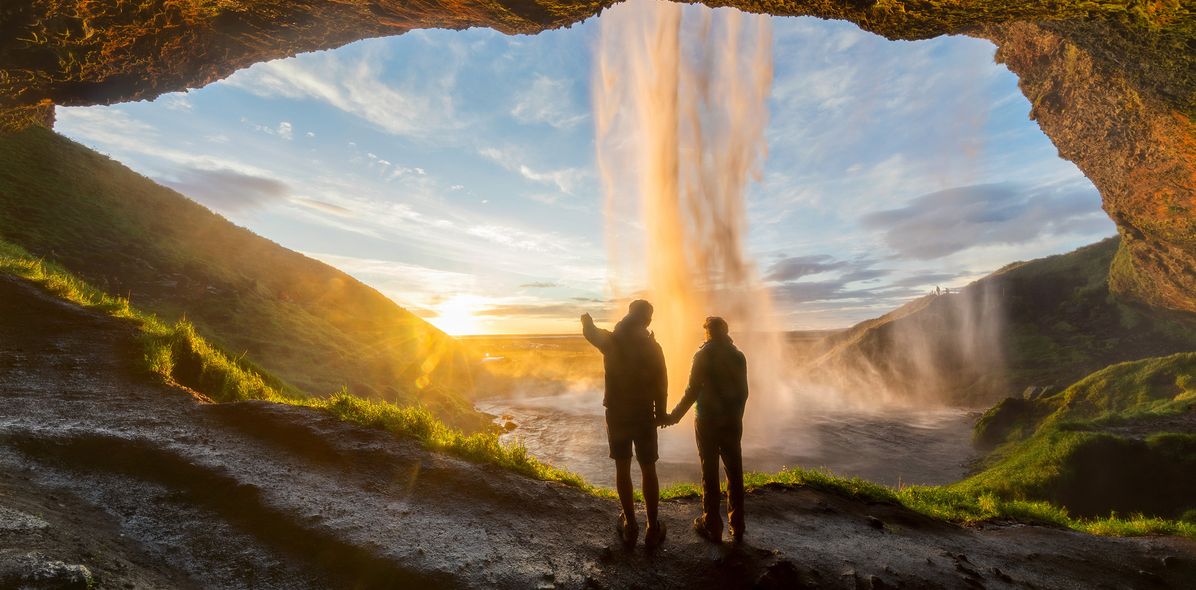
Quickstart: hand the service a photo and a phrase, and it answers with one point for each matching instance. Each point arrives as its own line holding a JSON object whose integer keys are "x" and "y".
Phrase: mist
{"x": 681, "y": 108}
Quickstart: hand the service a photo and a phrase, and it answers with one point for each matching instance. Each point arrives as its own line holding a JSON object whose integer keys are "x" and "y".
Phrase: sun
{"x": 455, "y": 315}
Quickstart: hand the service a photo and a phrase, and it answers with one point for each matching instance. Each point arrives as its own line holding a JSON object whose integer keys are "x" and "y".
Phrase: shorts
{"x": 623, "y": 435}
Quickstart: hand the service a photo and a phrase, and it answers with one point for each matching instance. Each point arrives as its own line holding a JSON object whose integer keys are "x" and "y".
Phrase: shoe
{"x": 628, "y": 532}
{"x": 654, "y": 536}
{"x": 737, "y": 537}
{"x": 703, "y": 531}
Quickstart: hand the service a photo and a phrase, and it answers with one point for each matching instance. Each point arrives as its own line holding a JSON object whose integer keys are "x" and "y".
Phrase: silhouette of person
{"x": 718, "y": 385}
{"x": 635, "y": 399}
{"x": 938, "y": 291}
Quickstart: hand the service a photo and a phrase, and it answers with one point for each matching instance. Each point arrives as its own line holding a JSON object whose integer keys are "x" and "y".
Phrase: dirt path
{"x": 147, "y": 487}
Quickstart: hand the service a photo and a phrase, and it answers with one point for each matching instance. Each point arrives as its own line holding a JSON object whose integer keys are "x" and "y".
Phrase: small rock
{"x": 34, "y": 570}
{"x": 1002, "y": 576}
{"x": 967, "y": 571}
{"x": 1170, "y": 561}
{"x": 1151, "y": 576}
{"x": 875, "y": 523}
{"x": 877, "y": 583}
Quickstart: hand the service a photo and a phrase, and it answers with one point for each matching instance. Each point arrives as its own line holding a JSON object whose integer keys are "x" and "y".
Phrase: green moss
{"x": 175, "y": 352}
{"x": 1090, "y": 446}
{"x": 299, "y": 319}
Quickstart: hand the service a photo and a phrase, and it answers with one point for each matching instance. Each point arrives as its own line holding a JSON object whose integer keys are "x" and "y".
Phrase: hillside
{"x": 110, "y": 478}
{"x": 1121, "y": 439}
{"x": 1044, "y": 323}
{"x": 307, "y": 323}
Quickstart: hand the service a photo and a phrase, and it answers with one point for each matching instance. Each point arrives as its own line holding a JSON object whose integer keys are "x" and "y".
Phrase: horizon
{"x": 453, "y": 171}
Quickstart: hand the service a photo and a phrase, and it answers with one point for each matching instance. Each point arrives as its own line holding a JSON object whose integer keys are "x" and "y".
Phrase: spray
{"x": 680, "y": 101}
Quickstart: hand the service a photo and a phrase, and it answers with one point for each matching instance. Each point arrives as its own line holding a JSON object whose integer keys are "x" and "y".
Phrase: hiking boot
{"x": 654, "y": 536}
{"x": 706, "y": 532}
{"x": 627, "y": 531}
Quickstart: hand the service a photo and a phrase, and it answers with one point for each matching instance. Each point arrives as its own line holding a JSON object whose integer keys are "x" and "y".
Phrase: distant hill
{"x": 309, "y": 324}
{"x": 1043, "y": 323}
{"x": 1092, "y": 446}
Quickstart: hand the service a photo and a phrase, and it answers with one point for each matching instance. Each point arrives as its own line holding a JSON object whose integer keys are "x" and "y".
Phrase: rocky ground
{"x": 108, "y": 475}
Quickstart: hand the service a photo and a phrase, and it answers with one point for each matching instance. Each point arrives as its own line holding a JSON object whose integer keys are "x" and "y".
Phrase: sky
{"x": 454, "y": 171}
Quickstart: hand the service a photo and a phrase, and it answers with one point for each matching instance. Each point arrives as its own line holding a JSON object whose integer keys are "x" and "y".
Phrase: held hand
{"x": 586, "y": 320}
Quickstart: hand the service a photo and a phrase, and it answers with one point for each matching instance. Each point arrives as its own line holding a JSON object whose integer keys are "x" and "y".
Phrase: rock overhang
{"x": 1112, "y": 84}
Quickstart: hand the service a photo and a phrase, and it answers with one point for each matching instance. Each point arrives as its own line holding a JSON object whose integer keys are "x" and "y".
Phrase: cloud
{"x": 323, "y": 206}
{"x": 285, "y": 130}
{"x": 355, "y": 86}
{"x": 538, "y": 285}
{"x": 566, "y": 179}
{"x": 796, "y": 267}
{"x": 949, "y": 221}
{"x": 553, "y": 310}
{"x": 227, "y": 191}
{"x": 177, "y": 102}
{"x": 547, "y": 100}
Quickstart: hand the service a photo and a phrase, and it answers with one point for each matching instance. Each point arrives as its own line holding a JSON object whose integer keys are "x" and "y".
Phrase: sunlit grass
{"x": 950, "y": 503}
{"x": 179, "y": 355}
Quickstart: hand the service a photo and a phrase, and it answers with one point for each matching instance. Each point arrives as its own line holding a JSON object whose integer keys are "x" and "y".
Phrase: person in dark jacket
{"x": 718, "y": 384}
{"x": 635, "y": 400}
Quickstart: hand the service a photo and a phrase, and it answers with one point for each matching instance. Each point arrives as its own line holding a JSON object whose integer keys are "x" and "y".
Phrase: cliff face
{"x": 1137, "y": 149}
{"x": 1113, "y": 84}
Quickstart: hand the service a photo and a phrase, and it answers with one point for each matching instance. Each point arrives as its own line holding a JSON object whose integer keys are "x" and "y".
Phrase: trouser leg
{"x": 651, "y": 491}
{"x": 708, "y": 455}
{"x": 732, "y": 455}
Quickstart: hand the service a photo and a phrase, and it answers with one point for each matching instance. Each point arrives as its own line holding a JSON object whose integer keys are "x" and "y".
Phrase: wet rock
{"x": 1002, "y": 576}
{"x": 15, "y": 520}
{"x": 875, "y": 523}
{"x": 35, "y": 571}
{"x": 784, "y": 574}
{"x": 1151, "y": 577}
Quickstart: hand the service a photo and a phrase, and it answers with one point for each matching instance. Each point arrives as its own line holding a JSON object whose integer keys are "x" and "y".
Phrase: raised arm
{"x": 601, "y": 339}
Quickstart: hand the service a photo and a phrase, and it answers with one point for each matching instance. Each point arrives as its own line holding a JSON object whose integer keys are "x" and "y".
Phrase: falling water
{"x": 681, "y": 109}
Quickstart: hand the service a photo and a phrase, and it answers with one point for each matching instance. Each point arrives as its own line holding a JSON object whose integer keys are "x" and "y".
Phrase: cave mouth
{"x": 454, "y": 170}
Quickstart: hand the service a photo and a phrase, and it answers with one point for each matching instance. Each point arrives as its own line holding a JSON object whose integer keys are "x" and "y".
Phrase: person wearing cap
{"x": 635, "y": 400}
{"x": 718, "y": 385}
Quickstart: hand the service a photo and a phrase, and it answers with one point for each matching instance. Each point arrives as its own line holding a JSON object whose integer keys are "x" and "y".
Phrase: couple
{"x": 636, "y": 394}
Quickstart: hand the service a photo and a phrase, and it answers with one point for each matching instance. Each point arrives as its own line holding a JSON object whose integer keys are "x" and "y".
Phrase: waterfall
{"x": 680, "y": 107}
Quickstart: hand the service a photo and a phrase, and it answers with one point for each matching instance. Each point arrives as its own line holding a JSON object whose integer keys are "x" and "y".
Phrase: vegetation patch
{"x": 299, "y": 319}
{"x": 1092, "y": 446}
{"x": 177, "y": 354}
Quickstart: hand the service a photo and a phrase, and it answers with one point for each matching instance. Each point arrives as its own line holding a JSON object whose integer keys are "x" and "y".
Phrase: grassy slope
{"x": 310, "y": 324}
{"x": 1061, "y": 323}
{"x": 177, "y": 354}
{"x": 1107, "y": 442}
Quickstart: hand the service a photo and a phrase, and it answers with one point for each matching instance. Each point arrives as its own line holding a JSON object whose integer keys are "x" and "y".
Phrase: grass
{"x": 299, "y": 319}
{"x": 967, "y": 507}
{"x": 177, "y": 354}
